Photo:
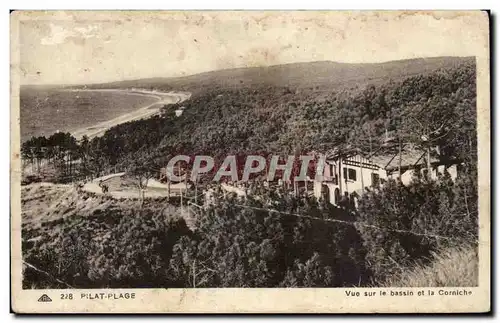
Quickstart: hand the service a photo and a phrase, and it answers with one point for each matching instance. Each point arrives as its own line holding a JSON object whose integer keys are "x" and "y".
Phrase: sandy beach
{"x": 141, "y": 113}
{"x": 146, "y": 111}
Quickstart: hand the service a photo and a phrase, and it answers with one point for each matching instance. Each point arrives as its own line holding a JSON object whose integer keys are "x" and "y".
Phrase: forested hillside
{"x": 271, "y": 239}
{"x": 323, "y": 75}
{"x": 285, "y": 120}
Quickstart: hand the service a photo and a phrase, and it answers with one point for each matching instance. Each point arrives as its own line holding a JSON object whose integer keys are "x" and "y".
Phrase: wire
{"x": 348, "y": 223}
{"x": 46, "y": 273}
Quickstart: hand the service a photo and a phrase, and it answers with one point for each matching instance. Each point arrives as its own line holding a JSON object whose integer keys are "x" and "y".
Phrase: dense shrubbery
{"x": 427, "y": 208}
{"x": 270, "y": 242}
{"x": 111, "y": 248}
{"x": 247, "y": 246}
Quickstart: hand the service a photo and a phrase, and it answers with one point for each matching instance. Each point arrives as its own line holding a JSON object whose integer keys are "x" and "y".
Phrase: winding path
{"x": 154, "y": 188}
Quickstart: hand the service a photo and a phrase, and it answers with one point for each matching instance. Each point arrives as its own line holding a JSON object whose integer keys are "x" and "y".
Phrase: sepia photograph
{"x": 290, "y": 152}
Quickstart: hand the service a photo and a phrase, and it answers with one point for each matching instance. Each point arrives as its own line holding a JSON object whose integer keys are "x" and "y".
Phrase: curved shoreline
{"x": 141, "y": 113}
{"x": 146, "y": 111}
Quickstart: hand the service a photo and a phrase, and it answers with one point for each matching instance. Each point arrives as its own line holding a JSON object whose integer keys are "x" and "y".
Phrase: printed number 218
{"x": 66, "y": 296}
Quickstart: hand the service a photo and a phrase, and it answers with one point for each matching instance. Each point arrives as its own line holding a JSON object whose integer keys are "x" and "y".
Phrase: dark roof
{"x": 409, "y": 158}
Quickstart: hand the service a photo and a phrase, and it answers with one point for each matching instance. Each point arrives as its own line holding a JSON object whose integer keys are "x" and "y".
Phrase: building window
{"x": 375, "y": 179}
{"x": 337, "y": 196}
{"x": 325, "y": 192}
{"x": 350, "y": 174}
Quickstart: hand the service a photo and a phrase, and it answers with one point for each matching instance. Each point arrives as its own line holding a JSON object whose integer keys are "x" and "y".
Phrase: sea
{"x": 46, "y": 111}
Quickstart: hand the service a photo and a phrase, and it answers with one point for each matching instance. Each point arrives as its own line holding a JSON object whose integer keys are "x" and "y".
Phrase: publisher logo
{"x": 45, "y": 298}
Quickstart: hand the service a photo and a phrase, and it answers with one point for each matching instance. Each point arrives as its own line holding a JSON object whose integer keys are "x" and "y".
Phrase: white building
{"x": 347, "y": 177}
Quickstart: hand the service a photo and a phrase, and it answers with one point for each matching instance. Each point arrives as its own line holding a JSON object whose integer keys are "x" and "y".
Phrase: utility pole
{"x": 426, "y": 139}
{"x": 400, "y": 156}
{"x": 371, "y": 145}
{"x": 194, "y": 273}
{"x": 340, "y": 173}
{"x": 361, "y": 174}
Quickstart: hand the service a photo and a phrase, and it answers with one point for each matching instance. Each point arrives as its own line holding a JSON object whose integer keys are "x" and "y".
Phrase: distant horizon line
{"x": 234, "y": 68}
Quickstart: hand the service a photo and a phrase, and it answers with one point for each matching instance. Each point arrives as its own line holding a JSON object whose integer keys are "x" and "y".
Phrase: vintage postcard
{"x": 250, "y": 162}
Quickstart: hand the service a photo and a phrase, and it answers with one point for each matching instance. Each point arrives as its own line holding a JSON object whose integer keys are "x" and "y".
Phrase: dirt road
{"x": 154, "y": 188}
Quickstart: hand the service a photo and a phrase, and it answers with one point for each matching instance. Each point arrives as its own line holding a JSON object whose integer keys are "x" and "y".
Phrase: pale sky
{"x": 85, "y": 47}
